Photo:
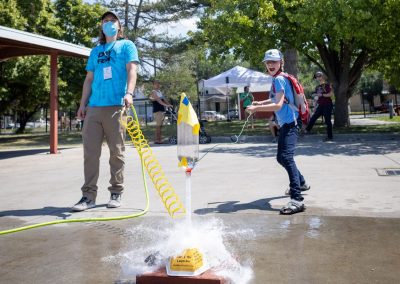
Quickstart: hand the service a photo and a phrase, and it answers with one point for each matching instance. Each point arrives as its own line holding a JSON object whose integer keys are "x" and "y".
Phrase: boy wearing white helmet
{"x": 281, "y": 94}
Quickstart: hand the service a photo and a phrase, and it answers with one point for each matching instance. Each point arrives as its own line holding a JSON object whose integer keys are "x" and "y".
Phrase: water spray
{"x": 191, "y": 261}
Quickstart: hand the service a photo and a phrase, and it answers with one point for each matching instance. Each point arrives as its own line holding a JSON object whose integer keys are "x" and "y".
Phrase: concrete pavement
{"x": 348, "y": 234}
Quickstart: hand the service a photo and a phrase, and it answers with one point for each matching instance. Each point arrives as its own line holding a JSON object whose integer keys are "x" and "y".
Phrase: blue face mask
{"x": 110, "y": 29}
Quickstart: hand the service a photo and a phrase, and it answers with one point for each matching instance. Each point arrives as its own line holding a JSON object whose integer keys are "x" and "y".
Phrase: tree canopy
{"x": 24, "y": 81}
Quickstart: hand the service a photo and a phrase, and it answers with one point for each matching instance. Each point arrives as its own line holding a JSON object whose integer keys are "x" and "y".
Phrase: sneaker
{"x": 303, "y": 187}
{"x": 115, "y": 201}
{"x": 274, "y": 140}
{"x": 83, "y": 204}
{"x": 327, "y": 139}
{"x": 293, "y": 207}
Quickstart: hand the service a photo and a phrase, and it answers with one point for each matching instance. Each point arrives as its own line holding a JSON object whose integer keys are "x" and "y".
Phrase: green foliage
{"x": 39, "y": 17}
{"x": 24, "y": 84}
{"x": 80, "y": 24}
{"x": 24, "y": 96}
{"x": 372, "y": 83}
{"x": 10, "y": 15}
{"x": 24, "y": 81}
{"x": 238, "y": 27}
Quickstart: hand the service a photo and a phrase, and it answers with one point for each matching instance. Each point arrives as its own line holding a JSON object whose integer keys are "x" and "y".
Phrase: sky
{"x": 179, "y": 28}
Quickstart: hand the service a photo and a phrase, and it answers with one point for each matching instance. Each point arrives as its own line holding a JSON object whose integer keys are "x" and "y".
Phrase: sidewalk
{"x": 348, "y": 234}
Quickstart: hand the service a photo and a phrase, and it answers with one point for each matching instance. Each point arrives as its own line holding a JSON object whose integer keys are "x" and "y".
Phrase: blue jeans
{"x": 326, "y": 111}
{"x": 287, "y": 141}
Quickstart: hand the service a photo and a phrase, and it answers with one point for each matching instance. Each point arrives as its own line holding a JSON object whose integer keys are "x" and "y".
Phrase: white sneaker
{"x": 115, "y": 201}
{"x": 83, "y": 204}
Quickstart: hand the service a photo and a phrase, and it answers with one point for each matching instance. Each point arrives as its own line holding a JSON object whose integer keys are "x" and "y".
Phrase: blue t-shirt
{"x": 110, "y": 91}
{"x": 286, "y": 114}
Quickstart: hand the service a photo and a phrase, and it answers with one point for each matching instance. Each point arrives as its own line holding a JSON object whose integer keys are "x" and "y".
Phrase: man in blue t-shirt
{"x": 281, "y": 98}
{"x": 109, "y": 85}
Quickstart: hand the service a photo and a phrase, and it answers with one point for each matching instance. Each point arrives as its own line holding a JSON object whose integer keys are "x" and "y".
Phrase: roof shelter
{"x": 14, "y": 43}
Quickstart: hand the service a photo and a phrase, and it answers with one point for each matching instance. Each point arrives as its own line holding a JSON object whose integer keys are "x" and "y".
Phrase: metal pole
{"x": 53, "y": 104}
{"x": 70, "y": 119}
{"x": 228, "y": 94}
{"x": 363, "y": 102}
{"x": 391, "y": 108}
{"x": 46, "y": 119}
{"x": 145, "y": 111}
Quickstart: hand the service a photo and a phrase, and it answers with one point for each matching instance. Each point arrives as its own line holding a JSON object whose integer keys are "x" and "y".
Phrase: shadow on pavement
{"x": 50, "y": 211}
{"x": 313, "y": 148}
{"x": 27, "y": 152}
{"x": 62, "y": 212}
{"x": 235, "y": 206}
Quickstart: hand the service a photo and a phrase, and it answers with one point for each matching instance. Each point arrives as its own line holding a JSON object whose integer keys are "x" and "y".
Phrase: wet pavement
{"x": 349, "y": 233}
{"x": 298, "y": 249}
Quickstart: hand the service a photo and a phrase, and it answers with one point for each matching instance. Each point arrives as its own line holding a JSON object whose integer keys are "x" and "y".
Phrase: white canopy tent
{"x": 238, "y": 77}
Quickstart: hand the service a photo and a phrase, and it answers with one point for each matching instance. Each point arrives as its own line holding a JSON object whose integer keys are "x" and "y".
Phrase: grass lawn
{"x": 215, "y": 128}
{"x": 387, "y": 118}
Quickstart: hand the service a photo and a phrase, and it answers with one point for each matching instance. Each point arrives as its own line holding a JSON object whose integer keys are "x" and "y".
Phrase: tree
{"x": 79, "y": 23}
{"x": 141, "y": 20}
{"x": 371, "y": 85}
{"x": 24, "y": 95}
{"x": 340, "y": 37}
{"x": 24, "y": 81}
{"x": 24, "y": 84}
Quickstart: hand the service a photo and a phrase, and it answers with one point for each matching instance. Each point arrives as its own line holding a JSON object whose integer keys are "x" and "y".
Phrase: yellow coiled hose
{"x": 154, "y": 170}
{"x": 166, "y": 192}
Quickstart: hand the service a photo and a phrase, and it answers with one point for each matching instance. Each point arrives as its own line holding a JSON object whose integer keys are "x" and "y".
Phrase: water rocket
{"x": 191, "y": 261}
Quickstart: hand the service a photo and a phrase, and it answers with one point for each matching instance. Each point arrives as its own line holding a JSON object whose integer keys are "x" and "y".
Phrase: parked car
{"x": 233, "y": 114}
{"x": 385, "y": 107}
{"x": 211, "y": 115}
{"x": 12, "y": 125}
{"x": 381, "y": 108}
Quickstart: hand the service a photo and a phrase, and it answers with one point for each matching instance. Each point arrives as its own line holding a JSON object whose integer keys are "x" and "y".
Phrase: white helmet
{"x": 273, "y": 55}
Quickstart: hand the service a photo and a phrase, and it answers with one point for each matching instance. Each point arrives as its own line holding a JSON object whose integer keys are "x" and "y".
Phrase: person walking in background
{"x": 159, "y": 105}
{"x": 109, "y": 85}
{"x": 247, "y": 99}
{"x": 281, "y": 94}
{"x": 324, "y": 108}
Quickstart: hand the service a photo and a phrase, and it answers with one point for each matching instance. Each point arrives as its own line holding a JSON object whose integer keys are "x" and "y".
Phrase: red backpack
{"x": 300, "y": 101}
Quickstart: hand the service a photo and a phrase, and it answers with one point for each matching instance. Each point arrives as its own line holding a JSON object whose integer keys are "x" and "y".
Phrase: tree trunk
{"x": 341, "y": 107}
{"x": 126, "y": 14}
{"x": 24, "y": 117}
{"x": 344, "y": 73}
{"x": 137, "y": 15}
{"x": 291, "y": 57}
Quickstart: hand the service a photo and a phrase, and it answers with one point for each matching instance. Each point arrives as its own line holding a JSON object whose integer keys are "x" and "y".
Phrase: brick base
{"x": 161, "y": 277}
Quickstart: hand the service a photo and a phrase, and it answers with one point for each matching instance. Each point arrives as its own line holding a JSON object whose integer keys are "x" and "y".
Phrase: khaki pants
{"x": 100, "y": 124}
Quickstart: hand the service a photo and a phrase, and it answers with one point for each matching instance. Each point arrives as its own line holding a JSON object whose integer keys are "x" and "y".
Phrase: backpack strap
{"x": 291, "y": 105}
